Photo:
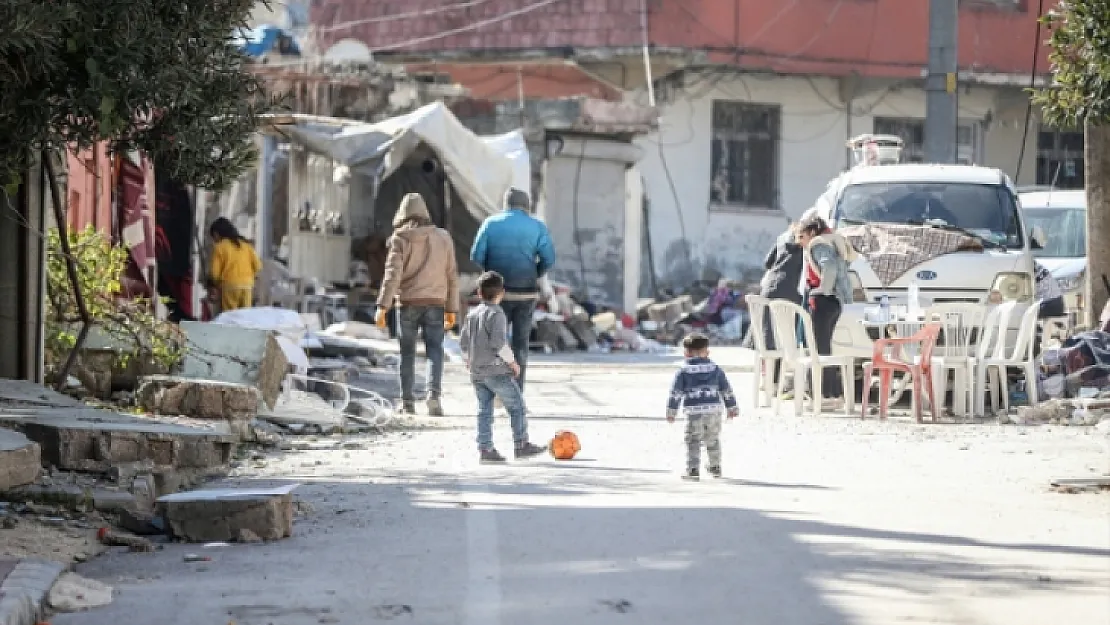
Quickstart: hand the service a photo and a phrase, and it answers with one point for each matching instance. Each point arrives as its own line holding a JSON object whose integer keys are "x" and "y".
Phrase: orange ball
{"x": 565, "y": 445}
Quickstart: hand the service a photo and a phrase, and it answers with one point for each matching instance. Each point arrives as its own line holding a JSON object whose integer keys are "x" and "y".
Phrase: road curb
{"x": 24, "y": 590}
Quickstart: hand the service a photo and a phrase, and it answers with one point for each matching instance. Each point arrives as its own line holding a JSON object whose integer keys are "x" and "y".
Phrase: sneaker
{"x": 435, "y": 409}
{"x": 408, "y": 407}
{"x": 692, "y": 475}
{"x": 490, "y": 456}
{"x": 715, "y": 471}
{"x": 528, "y": 450}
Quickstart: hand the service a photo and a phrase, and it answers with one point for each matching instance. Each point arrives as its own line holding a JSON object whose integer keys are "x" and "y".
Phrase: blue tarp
{"x": 258, "y": 41}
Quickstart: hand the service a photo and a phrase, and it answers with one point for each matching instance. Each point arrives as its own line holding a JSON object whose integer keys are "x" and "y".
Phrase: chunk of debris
{"x": 247, "y": 536}
{"x": 202, "y": 399}
{"x": 221, "y": 514}
{"x": 20, "y": 460}
{"x": 119, "y": 539}
{"x": 73, "y": 593}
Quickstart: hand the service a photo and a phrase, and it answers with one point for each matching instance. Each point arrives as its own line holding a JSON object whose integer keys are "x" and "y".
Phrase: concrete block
{"x": 24, "y": 590}
{"x": 75, "y": 497}
{"x": 87, "y": 439}
{"x": 20, "y": 460}
{"x": 237, "y": 355}
{"x": 224, "y": 514}
{"x": 202, "y": 399}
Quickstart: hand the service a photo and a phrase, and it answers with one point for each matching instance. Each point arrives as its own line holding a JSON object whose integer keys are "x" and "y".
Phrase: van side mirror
{"x": 1037, "y": 238}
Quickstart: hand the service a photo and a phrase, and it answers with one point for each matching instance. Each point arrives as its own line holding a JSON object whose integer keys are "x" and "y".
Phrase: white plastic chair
{"x": 798, "y": 361}
{"x": 962, "y": 327}
{"x": 763, "y": 378}
{"x": 992, "y": 362}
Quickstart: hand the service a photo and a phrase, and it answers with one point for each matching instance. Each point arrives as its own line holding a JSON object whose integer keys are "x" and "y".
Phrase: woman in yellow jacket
{"x": 234, "y": 265}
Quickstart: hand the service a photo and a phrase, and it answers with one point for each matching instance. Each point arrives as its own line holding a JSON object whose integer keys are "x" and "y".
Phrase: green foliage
{"x": 1080, "y": 59}
{"x": 100, "y": 266}
{"x": 162, "y": 77}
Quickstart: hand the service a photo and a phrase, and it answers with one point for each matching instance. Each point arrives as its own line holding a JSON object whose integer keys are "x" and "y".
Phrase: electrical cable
{"x": 678, "y": 208}
{"x": 820, "y": 32}
{"x": 574, "y": 216}
{"x": 508, "y": 15}
{"x": 1032, "y": 85}
{"x": 403, "y": 16}
{"x": 774, "y": 20}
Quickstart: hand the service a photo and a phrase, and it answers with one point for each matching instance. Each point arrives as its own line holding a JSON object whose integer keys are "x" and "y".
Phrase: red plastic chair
{"x": 919, "y": 369}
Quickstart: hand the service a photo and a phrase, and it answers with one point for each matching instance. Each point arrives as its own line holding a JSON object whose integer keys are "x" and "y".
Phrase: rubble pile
{"x": 1063, "y": 411}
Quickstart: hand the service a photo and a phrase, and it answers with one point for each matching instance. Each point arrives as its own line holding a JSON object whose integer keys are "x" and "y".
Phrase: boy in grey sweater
{"x": 493, "y": 370}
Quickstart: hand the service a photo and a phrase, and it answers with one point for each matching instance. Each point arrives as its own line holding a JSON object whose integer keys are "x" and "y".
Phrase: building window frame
{"x": 751, "y": 132}
{"x": 1060, "y": 158}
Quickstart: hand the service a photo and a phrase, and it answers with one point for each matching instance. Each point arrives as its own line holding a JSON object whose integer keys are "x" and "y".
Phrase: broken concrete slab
{"x": 202, "y": 399}
{"x": 235, "y": 354}
{"x": 24, "y": 589}
{"x": 73, "y": 593}
{"x": 75, "y": 437}
{"x": 20, "y": 460}
{"x": 87, "y": 439}
{"x": 236, "y": 404}
{"x": 221, "y": 514}
{"x": 74, "y": 497}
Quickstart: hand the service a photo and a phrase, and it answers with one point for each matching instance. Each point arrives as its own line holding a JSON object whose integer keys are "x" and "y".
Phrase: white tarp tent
{"x": 480, "y": 169}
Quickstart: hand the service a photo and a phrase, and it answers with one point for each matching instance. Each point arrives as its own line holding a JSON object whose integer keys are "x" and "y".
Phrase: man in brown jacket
{"x": 421, "y": 272}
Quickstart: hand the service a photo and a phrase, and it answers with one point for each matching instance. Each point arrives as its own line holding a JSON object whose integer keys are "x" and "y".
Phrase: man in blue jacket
{"x": 518, "y": 246}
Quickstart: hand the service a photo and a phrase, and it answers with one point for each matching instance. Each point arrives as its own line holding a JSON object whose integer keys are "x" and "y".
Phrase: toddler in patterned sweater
{"x": 702, "y": 391}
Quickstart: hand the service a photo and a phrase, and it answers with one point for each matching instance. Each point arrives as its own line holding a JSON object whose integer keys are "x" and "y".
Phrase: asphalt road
{"x": 818, "y": 521}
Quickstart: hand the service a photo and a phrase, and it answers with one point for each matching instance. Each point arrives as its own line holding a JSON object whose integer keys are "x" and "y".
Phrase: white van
{"x": 980, "y": 202}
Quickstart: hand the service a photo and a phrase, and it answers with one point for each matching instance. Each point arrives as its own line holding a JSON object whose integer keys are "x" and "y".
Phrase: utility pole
{"x": 941, "y": 110}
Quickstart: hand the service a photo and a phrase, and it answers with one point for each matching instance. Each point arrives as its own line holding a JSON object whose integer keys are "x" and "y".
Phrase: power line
{"x": 461, "y": 29}
{"x": 1032, "y": 85}
{"x": 403, "y": 16}
{"x": 774, "y": 20}
{"x": 820, "y": 32}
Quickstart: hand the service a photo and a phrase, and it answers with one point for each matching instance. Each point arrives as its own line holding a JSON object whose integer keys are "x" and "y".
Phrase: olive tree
{"x": 1079, "y": 97}
{"x": 162, "y": 77}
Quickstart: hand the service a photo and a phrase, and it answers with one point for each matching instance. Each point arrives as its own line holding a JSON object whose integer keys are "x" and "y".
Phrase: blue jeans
{"x": 505, "y": 388}
{"x": 519, "y": 314}
{"x": 415, "y": 319}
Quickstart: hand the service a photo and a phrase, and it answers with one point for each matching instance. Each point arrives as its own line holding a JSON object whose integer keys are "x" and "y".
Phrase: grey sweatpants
{"x": 703, "y": 429}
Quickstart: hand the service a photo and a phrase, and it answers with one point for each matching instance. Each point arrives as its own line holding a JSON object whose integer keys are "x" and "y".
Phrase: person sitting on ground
{"x": 701, "y": 389}
{"x": 493, "y": 370}
{"x": 235, "y": 265}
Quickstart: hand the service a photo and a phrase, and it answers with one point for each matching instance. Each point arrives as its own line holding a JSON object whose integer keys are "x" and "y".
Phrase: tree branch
{"x": 71, "y": 269}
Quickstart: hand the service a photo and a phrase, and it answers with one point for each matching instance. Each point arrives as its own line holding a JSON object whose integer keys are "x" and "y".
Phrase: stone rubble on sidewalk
{"x": 73, "y": 593}
{"x": 235, "y": 404}
{"x": 24, "y": 586}
{"x": 222, "y": 514}
{"x": 20, "y": 460}
{"x": 1074, "y": 412}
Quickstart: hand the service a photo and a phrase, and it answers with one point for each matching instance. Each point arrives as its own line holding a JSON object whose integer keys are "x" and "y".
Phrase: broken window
{"x": 912, "y": 132}
{"x": 1060, "y": 159}
{"x": 744, "y": 156}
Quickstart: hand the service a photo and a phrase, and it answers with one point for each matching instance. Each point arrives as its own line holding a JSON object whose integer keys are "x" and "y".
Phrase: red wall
{"x": 875, "y": 37}
{"x": 87, "y": 171}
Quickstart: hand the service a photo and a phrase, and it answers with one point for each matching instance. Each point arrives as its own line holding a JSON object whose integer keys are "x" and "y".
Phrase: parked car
{"x": 979, "y": 202}
{"x": 1063, "y": 217}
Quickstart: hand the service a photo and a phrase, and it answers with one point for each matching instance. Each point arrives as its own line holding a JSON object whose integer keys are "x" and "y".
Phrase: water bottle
{"x": 884, "y": 308}
{"x": 914, "y": 308}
